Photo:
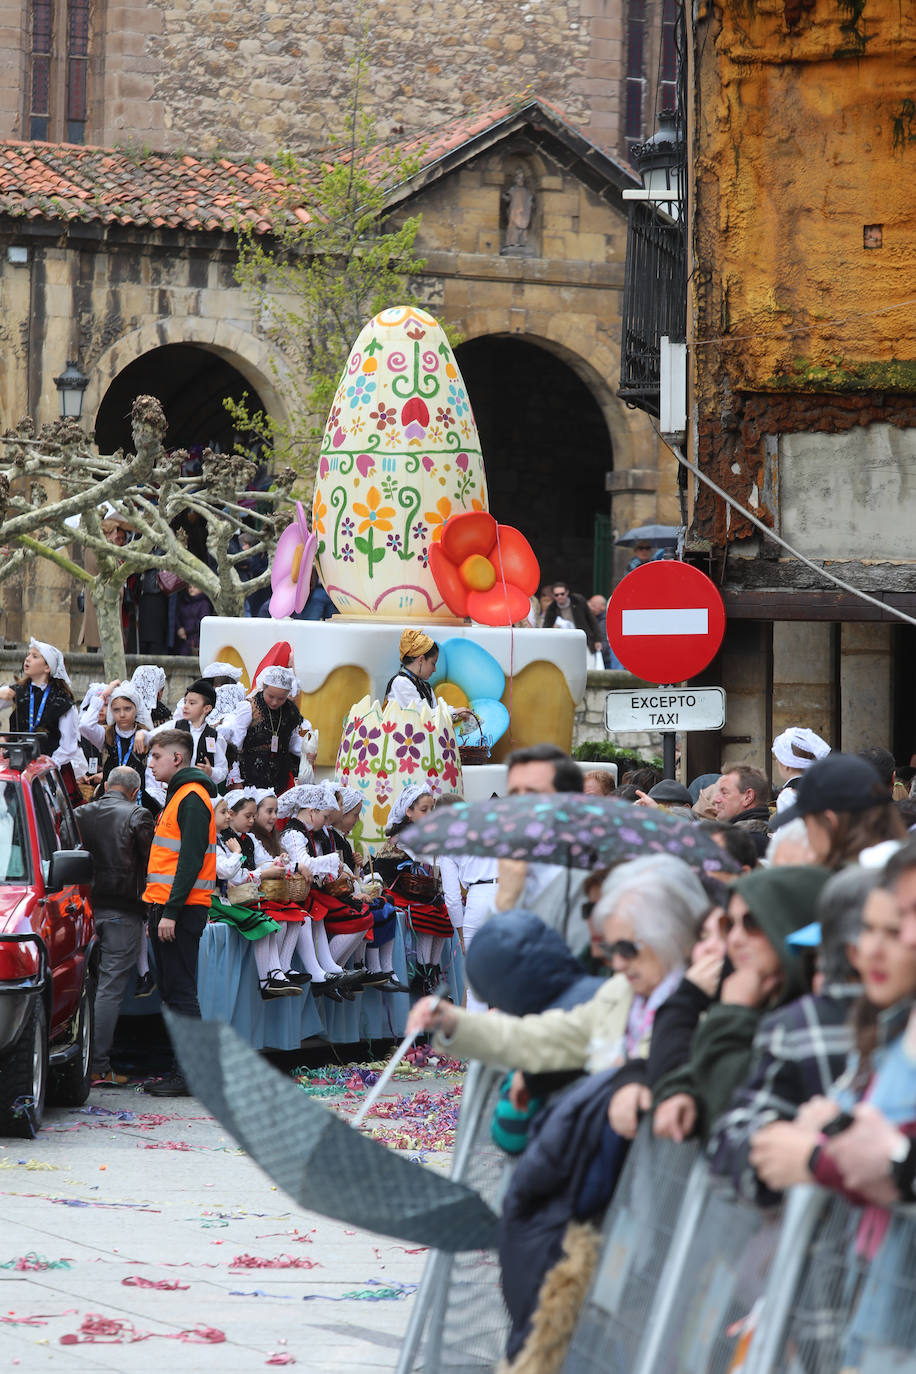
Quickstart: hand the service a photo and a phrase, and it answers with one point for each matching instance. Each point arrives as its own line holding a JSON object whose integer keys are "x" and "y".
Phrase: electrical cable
{"x": 778, "y": 539}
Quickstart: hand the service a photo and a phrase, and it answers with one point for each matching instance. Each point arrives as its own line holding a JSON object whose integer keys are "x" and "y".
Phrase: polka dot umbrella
{"x": 565, "y": 828}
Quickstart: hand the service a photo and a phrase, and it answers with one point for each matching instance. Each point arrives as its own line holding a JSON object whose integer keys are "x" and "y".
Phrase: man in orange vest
{"x": 180, "y": 880}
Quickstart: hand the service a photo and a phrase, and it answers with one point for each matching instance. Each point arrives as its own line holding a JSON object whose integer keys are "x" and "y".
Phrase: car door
{"x": 62, "y": 911}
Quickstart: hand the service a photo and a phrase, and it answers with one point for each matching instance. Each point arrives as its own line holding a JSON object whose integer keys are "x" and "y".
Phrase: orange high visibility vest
{"x": 163, "y": 856}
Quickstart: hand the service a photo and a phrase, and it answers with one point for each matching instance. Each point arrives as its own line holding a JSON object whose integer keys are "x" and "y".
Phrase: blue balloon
{"x": 471, "y": 668}
{"x": 493, "y": 717}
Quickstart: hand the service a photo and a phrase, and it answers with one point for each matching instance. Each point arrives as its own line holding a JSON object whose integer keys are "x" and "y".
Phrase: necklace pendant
{"x": 275, "y": 744}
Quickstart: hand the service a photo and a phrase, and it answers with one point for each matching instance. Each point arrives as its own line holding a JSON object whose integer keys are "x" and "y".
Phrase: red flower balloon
{"x": 484, "y": 570}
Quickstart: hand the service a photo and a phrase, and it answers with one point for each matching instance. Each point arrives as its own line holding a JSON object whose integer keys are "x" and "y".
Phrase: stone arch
{"x": 257, "y": 362}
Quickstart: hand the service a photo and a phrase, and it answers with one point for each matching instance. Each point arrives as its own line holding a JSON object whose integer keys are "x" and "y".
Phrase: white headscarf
{"x": 261, "y": 793}
{"x": 351, "y": 799}
{"x": 275, "y": 676}
{"x": 129, "y": 692}
{"x": 53, "y": 657}
{"x": 802, "y": 738}
{"x": 228, "y": 699}
{"x": 306, "y": 794}
{"x": 241, "y": 794}
{"x": 219, "y": 669}
{"x": 149, "y": 681}
{"x": 406, "y": 800}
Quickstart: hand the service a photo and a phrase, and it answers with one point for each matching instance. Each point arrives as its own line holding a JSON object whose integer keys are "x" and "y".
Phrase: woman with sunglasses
{"x": 764, "y": 908}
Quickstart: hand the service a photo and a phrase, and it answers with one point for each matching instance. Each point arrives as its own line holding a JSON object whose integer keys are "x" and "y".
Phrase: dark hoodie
{"x": 782, "y": 900}
{"x": 519, "y": 965}
{"x": 194, "y": 819}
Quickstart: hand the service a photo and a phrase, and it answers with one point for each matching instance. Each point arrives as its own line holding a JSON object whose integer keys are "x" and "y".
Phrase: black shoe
{"x": 146, "y": 985}
{"x": 326, "y": 989}
{"x": 392, "y": 985}
{"x": 297, "y": 978}
{"x": 278, "y": 987}
{"x": 340, "y": 983}
{"x": 173, "y": 1086}
{"x": 377, "y": 980}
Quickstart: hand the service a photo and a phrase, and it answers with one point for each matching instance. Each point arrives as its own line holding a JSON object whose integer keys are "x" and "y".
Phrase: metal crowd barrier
{"x": 690, "y": 1279}
{"x": 459, "y": 1321}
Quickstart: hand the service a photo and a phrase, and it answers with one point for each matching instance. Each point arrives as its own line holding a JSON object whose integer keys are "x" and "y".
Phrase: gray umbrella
{"x": 314, "y": 1156}
{"x": 659, "y": 536}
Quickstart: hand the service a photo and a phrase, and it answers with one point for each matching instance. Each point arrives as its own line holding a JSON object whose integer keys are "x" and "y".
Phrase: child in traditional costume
{"x": 414, "y": 887}
{"x": 42, "y": 700}
{"x": 123, "y": 741}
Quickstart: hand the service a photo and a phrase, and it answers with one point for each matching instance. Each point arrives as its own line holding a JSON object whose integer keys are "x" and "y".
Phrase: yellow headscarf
{"x": 415, "y": 644}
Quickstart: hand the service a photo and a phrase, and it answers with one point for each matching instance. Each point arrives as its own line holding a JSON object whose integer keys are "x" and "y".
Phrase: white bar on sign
{"x": 686, "y": 620}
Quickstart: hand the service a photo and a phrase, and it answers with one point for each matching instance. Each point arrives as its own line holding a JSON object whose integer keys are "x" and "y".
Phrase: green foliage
{"x": 336, "y": 257}
{"x": 602, "y": 751}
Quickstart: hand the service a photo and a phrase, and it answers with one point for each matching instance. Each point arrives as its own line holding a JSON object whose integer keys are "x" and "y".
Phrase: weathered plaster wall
{"x": 804, "y": 230}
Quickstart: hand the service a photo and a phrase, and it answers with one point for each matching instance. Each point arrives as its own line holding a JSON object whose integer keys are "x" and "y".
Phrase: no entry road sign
{"x": 665, "y": 621}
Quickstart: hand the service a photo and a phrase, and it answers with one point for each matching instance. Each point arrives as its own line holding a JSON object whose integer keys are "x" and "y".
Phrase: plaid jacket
{"x": 798, "y": 1052}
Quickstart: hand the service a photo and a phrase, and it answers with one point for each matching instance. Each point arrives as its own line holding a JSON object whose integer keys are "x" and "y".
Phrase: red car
{"x": 48, "y": 953}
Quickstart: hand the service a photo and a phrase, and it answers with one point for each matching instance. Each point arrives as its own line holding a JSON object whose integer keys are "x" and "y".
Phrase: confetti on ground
{"x": 84, "y": 1202}
{"x": 32, "y": 1165}
{"x": 376, "y": 1290}
{"x": 98, "y": 1330}
{"x": 276, "y": 1262}
{"x": 34, "y": 1263}
{"x": 428, "y": 1120}
{"x": 37, "y": 1319}
{"x": 136, "y": 1281}
{"x": 333, "y": 1080}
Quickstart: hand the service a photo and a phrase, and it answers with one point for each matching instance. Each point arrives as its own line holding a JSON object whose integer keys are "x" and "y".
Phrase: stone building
{"x": 126, "y": 261}
{"x": 802, "y": 366}
{"x": 202, "y": 75}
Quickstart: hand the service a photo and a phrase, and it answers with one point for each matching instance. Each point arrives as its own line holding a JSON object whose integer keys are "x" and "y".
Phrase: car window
{"x": 44, "y": 819}
{"x": 64, "y": 819}
{"x": 14, "y": 849}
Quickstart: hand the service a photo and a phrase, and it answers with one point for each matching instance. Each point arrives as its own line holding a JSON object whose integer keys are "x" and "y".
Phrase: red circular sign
{"x": 665, "y": 621}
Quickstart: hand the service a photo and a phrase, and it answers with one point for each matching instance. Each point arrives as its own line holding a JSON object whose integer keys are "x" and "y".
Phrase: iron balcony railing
{"x": 654, "y": 301}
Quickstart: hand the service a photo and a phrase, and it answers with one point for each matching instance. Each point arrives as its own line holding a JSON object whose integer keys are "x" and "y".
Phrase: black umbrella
{"x": 314, "y": 1156}
{"x": 659, "y": 536}
{"x": 565, "y": 828}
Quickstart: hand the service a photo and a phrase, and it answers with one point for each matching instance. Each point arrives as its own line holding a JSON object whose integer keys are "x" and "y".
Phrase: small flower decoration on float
{"x": 485, "y": 571}
{"x": 291, "y": 571}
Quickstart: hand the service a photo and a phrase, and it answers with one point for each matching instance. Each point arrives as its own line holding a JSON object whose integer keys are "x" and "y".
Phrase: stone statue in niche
{"x": 518, "y": 202}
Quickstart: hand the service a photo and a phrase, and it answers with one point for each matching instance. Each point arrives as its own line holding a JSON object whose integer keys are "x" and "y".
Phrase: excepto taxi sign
{"x": 665, "y": 708}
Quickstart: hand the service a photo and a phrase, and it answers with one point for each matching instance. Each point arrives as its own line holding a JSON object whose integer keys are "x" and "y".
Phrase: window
{"x": 58, "y": 90}
{"x": 14, "y": 850}
{"x": 635, "y": 79}
{"x": 667, "y": 85}
{"x": 48, "y": 842}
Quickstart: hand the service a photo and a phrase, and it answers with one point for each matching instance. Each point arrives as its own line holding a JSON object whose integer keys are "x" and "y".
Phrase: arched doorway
{"x": 192, "y": 383}
{"x": 546, "y": 449}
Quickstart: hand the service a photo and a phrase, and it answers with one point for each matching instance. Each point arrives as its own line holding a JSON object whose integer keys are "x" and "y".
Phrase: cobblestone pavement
{"x": 133, "y": 1221}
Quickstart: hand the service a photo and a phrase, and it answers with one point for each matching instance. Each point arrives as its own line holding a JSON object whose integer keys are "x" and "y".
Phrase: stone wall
{"x": 86, "y": 668}
{"x": 590, "y": 717}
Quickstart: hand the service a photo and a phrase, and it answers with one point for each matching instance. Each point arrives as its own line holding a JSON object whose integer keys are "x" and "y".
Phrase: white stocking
{"x": 424, "y": 948}
{"x": 305, "y": 948}
{"x": 143, "y": 956}
{"x": 286, "y": 939}
{"x": 373, "y": 963}
{"x": 342, "y": 946}
{"x": 323, "y": 949}
{"x": 262, "y": 957}
{"x": 385, "y": 956}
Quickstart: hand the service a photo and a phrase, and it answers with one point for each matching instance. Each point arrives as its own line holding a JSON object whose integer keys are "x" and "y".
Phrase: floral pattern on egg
{"x": 400, "y": 453}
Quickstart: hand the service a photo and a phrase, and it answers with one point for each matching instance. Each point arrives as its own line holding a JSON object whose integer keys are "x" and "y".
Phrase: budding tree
{"x": 58, "y": 475}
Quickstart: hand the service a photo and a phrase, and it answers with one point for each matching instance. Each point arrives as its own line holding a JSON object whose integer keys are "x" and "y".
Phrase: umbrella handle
{"x": 385, "y": 1077}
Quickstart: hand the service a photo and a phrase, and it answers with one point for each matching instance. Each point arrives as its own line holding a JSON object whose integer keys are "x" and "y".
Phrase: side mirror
{"x": 69, "y": 867}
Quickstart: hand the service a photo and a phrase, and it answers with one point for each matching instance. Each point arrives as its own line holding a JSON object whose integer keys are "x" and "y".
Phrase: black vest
{"x": 203, "y": 754}
{"x": 56, "y": 705}
{"x": 258, "y": 764}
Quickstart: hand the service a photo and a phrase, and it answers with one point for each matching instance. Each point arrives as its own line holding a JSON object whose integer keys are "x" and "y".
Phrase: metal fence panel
{"x": 459, "y": 1322}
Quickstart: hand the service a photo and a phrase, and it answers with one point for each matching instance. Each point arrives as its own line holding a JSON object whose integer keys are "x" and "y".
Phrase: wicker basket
{"x": 87, "y": 789}
{"x": 340, "y": 887}
{"x": 298, "y": 887}
{"x": 422, "y": 886}
{"x": 276, "y": 889}
{"x": 474, "y": 754}
{"x": 241, "y": 894}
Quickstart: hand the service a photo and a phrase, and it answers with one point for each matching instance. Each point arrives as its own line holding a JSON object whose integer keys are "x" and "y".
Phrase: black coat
{"x": 582, "y": 618}
{"x": 118, "y": 835}
{"x": 545, "y": 1193}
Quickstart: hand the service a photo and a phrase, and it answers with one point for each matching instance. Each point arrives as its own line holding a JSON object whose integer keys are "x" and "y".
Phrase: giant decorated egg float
{"x": 399, "y": 456}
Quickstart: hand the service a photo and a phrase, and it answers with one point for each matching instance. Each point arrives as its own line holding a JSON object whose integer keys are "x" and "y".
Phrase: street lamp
{"x": 70, "y": 387}
{"x": 660, "y": 162}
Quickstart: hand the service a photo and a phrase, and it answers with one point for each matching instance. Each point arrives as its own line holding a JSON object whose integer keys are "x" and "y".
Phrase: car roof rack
{"x": 22, "y": 747}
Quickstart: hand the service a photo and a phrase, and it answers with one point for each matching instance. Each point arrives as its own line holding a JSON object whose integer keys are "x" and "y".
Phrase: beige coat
{"x": 587, "y": 1037}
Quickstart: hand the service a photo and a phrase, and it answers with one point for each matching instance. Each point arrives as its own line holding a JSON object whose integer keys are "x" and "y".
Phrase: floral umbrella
{"x": 565, "y": 828}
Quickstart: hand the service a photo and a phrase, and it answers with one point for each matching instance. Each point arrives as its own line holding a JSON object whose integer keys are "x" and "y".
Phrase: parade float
{"x": 402, "y": 536}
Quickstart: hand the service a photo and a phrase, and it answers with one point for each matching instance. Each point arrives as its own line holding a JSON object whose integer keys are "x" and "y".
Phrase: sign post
{"x": 665, "y": 623}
